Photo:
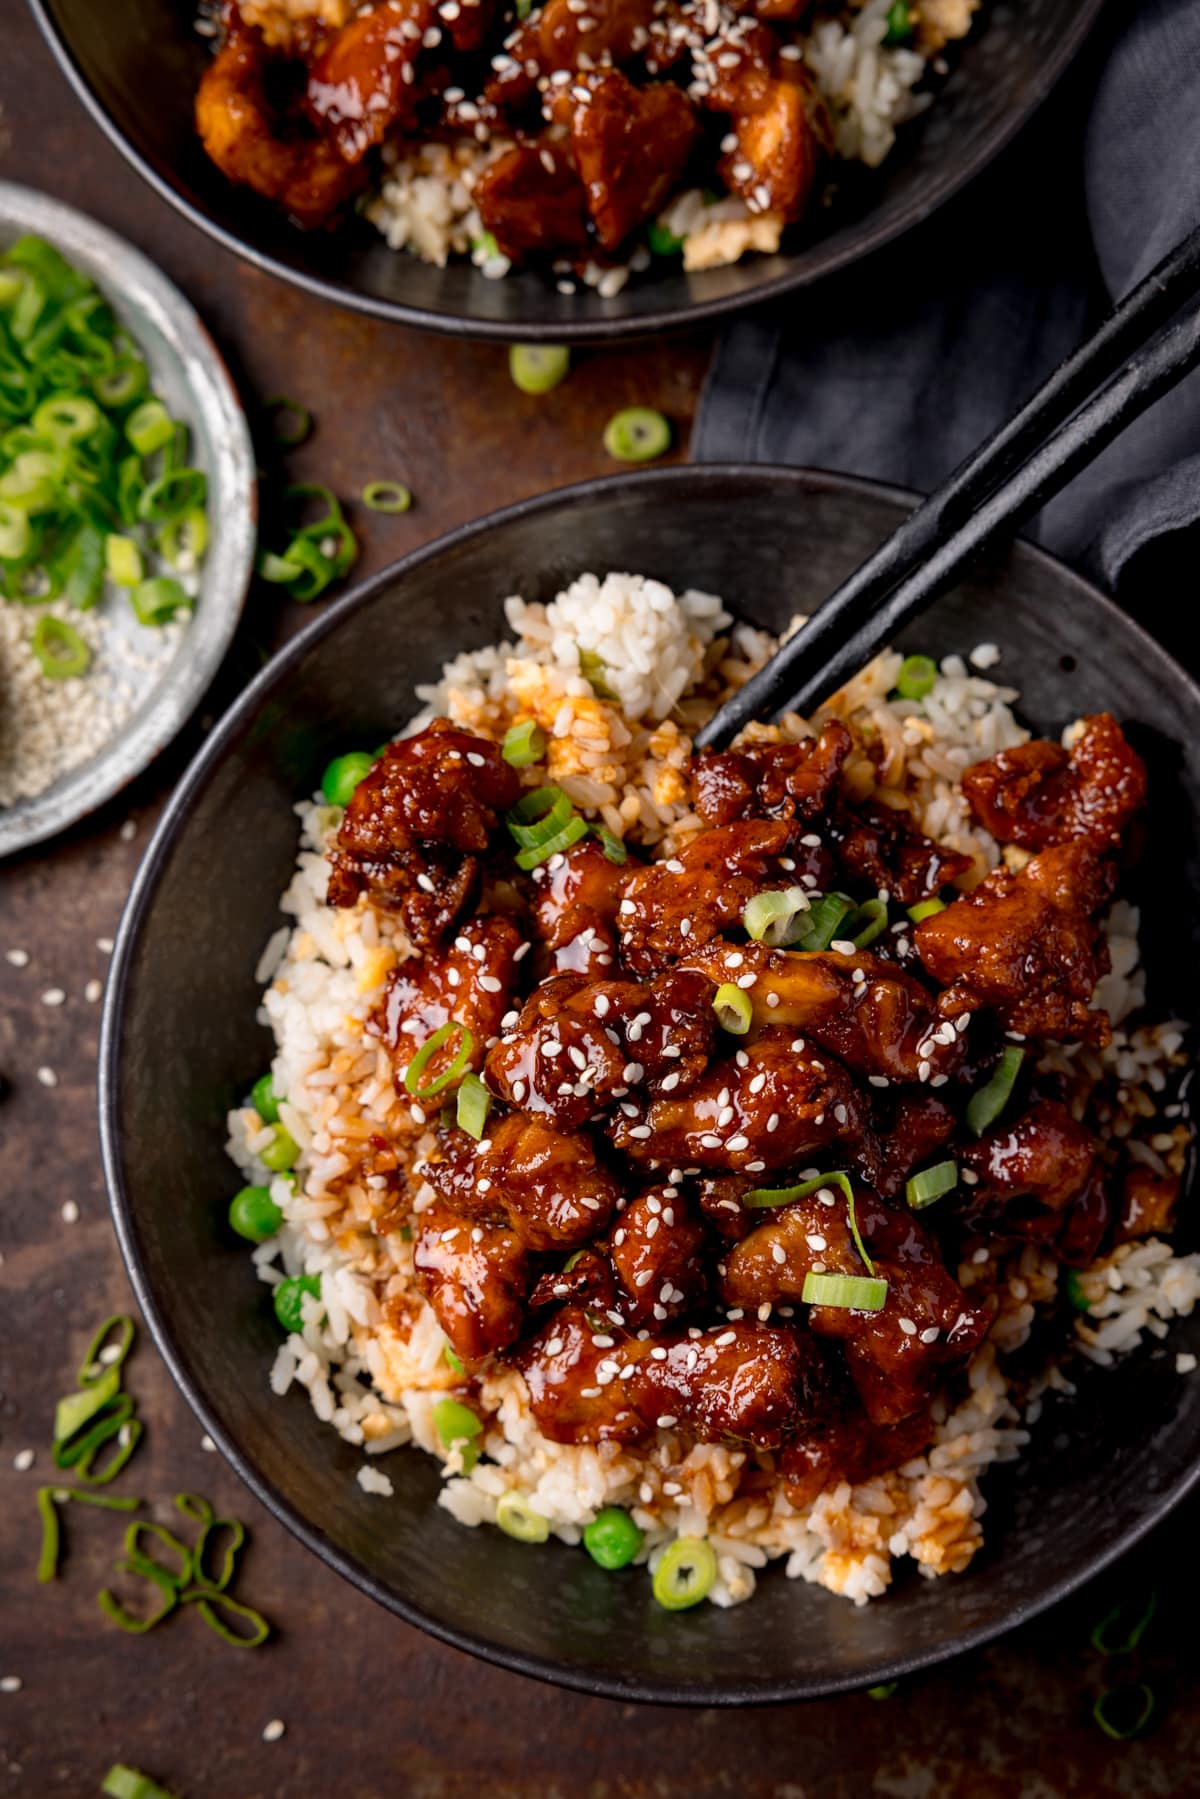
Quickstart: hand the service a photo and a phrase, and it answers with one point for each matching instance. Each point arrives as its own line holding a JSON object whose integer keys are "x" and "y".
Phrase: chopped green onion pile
{"x": 94, "y": 479}
{"x": 986, "y": 1104}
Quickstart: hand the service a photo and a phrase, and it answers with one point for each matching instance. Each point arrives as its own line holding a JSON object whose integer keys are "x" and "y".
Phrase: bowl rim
{"x": 223, "y": 737}
{"x": 859, "y": 246}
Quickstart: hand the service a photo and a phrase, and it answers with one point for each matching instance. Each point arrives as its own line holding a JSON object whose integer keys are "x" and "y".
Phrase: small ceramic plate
{"x": 155, "y": 679}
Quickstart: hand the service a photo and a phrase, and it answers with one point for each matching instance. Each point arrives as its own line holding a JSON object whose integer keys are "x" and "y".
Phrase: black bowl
{"x": 180, "y": 1044}
{"x": 137, "y": 63}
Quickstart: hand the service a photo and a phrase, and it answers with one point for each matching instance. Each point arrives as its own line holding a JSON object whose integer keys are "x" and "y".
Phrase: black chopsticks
{"x": 1131, "y": 361}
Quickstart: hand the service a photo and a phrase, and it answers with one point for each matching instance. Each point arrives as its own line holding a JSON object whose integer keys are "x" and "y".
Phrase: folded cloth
{"x": 899, "y": 367}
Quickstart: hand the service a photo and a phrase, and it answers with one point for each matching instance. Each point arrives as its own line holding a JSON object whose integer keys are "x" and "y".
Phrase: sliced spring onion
{"x": 149, "y": 427}
{"x": 123, "y": 561}
{"x": 772, "y": 918}
{"x": 538, "y": 368}
{"x": 613, "y": 848}
{"x": 430, "y": 1047}
{"x": 282, "y": 410}
{"x": 474, "y": 1104}
{"x": 47, "y": 1567}
{"x": 16, "y": 532}
{"x": 102, "y": 1355}
{"x": 1120, "y": 1631}
{"x": 210, "y": 1527}
{"x": 485, "y": 244}
{"x": 538, "y": 816}
{"x": 823, "y": 921}
{"x": 849, "y": 1292}
{"x": 122, "y": 1782}
{"x": 866, "y": 923}
{"x": 59, "y": 648}
{"x": 67, "y": 418}
{"x": 733, "y": 1008}
{"x": 112, "y": 1419}
{"x": 883, "y": 1691}
{"x": 1073, "y": 1286}
{"x": 899, "y": 23}
{"x": 686, "y": 1574}
{"x": 917, "y": 673}
{"x": 517, "y": 1518}
{"x": 112, "y": 1608}
{"x": 572, "y": 831}
{"x": 1124, "y": 1712}
{"x": 457, "y": 1424}
{"x": 524, "y": 744}
{"x": 663, "y": 242}
{"x": 784, "y": 1196}
{"x": 183, "y": 540}
{"x": 120, "y": 386}
{"x": 594, "y": 670}
{"x": 926, "y": 909}
{"x": 156, "y": 601}
{"x": 637, "y": 435}
{"x": 145, "y": 1527}
{"x": 612, "y": 1539}
{"x": 987, "y": 1103}
{"x": 453, "y": 1359}
{"x": 386, "y": 496}
{"x": 930, "y": 1184}
{"x": 210, "y": 1604}
{"x": 77, "y": 1409}
{"x": 173, "y": 494}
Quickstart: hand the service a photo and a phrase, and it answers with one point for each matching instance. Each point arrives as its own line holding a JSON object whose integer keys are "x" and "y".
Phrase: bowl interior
{"x": 139, "y": 62}
{"x": 181, "y": 1042}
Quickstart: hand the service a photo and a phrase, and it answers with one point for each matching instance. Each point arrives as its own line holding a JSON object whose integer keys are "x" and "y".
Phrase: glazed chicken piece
{"x": 363, "y": 84}
{"x": 1026, "y": 945}
{"x": 475, "y": 1276}
{"x": 773, "y": 780}
{"x": 564, "y": 35}
{"x": 1040, "y": 794}
{"x": 851, "y": 1449}
{"x": 910, "y": 1134}
{"x": 883, "y": 847}
{"x": 587, "y": 1282}
{"x": 532, "y": 201}
{"x": 672, "y": 908}
{"x": 784, "y": 1244}
{"x": 657, "y": 1252}
{"x": 468, "y": 981}
{"x": 549, "y": 1185}
{"x": 775, "y": 116}
{"x": 416, "y": 824}
{"x": 563, "y": 1059}
{"x": 753, "y": 1382}
{"x": 1148, "y": 1202}
{"x": 576, "y": 911}
{"x": 630, "y": 145}
{"x": 259, "y": 142}
{"x": 733, "y": 1120}
{"x": 1040, "y": 1178}
{"x": 720, "y": 1197}
{"x": 873, "y": 1016}
{"x": 572, "y": 1372}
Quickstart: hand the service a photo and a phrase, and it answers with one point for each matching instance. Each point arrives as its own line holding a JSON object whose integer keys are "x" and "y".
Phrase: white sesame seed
{"x": 104, "y": 945}
{"x": 667, "y": 1420}
{"x": 11, "y": 1683}
{"x": 207, "y": 1445}
{"x": 907, "y": 1326}
{"x": 47, "y": 1077}
{"x": 738, "y": 1143}
{"x": 640, "y": 1131}
{"x": 23, "y": 1460}
{"x": 92, "y": 991}
{"x": 930, "y": 1335}
{"x": 778, "y": 1253}
{"x": 70, "y": 1212}
{"x": 18, "y": 957}
{"x": 273, "y": 1731}
{"x": 53, "y": 996}
{"x": 128, "y": 831}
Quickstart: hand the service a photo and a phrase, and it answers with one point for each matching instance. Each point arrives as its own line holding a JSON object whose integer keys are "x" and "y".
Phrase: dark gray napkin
{"x": 899, "y": 368}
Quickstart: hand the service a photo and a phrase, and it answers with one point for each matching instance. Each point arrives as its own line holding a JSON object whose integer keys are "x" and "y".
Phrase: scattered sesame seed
{"x": 47, "y": 1077}
{"x": 273, "y": 1731}
{"x": 104, "y": 945}
{"x": 23, "y": 1460}
{"x": 54, "y": 996}
{"x": 207, "y": 1445}
{"x": 128, "y": 831}
{"x": 92, "y": 991}
{"x": 18, "y": 957}
{"x": 70, "y": 1212}
{"x": 907, "y": 1326}
{"x": 11, "y": 1683}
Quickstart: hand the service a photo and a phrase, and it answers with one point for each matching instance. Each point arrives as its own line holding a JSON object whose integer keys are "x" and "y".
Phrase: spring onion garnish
{"x": 112, "y": 1608}
{"x": 612, "y": 1539}
{"x": 59, "y": 648}
{"x": 770, "y": 918}
{"x": 524, "y": 744}
{"x": 123, "y": 562}
{"x": 663, "y": 242}
{"x": 142, "y": 1559}
{"x": 122, "y": 1782}
{"x": 237, "y": 1536}
{"x": 386, "y": 496}
{"x": 572, "y": 831}
{"x": 210, "y": 1604}
{"x": 866, "y": 923}
{"x": 291, "y": 423}
{"x": 594, "y": 670}
{"x": 899, "y": 23}
{"x": 538, "y": 368}
{"x": 883, "y": 1691}
{"x": 986, "y": 1105}
{"x": 430, "y": 1047}
{"x": 612, "y": 846}
{"x": 1116, "y": 1634}
{"x": 931, "y": 1184}
{"x": 686, "y": 1574}
{"x": 539, "y": 815}
{"x": 926, "y": 909}
{"x": 457, "y": 1425}
{"x": 485, "y": 244}
{"x": 517, "y": 1518}
{"x": 102, "y": 1423}
{"x": 474, "y": 1104}
{"x": 784, "y": 1196}
{"x": 917, "y": 673}
{"x": 453, "y": 1359}
{"x": 47, "y": 1566}
{"x": 73, "y": 1412}
{"x": 849, "y": 1292}
{"x": 733, "y": 1009}
{"x": 156, "y": 601}
{"x": 823, "y": 922}
{"x": 1073, "y": 1287}
{"x": 101, "y": 1354}
{"x": 320, "y": 550}
{"x": 637, "y": 435}
{"x": 1124, "y": 1712}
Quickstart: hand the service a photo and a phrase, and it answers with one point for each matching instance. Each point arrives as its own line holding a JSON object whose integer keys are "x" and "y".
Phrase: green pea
{"x": 537, "y": 368}
{"x": 263, "y": 1099}
{"x": 686, "y": 1574}
{"x": 663, "y": 242}
{"x": 254, "y": 1214}
{"x": 899, "y": 23}
{"x": 457, "y": 1423}
{"x": 343, "y": 775}
{"x": 612, "y": 1538}
{"x": 288, "y": 1295}
{"x": 637, "y": 435}
{"x": 281, "y": 1153}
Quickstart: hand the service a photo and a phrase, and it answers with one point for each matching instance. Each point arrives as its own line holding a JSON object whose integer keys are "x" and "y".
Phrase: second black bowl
{"x": 137, "y": 64}
{"x": 180, "y": 1045}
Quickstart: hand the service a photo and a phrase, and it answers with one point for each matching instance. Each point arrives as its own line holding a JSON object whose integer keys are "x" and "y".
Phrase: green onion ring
{"x": 96, "y": 1427}
{"x": 867, "y": 922}
{"x": 783, "y": 1196}
{"x": 47, "y": 1567}
{"x": 538, "y": 815}
{"x": 916, "y": 678}
{"x": 1121, "y": 1733}
{"x": 473, "y": 1105}
{"x": 386, "y": 496}
{"x": 59, "y": 648}
{"x": 428, "y": 1050}
{"x": 733, "y": 1008}
{"x": 771, "y": 918}
{"x": 572, "y": 831}
{"x": 517, "y": 1519}
{"x": 988, "y": 1102}
{"x": 288, "y": 439}
{"x": 926, "y": 909}
{"x": 686, "y": 1574}
{"x": 161, "y": 1534}
{"x": 1133, "y": 1633}
{"x": 614, "y": 850}
{"x": 453, "y": 1360}
{"x": 112, "y": 1608}
{"x": 524, "y": 744}
{"x": 847, "y": 1292}
{"x": 823, "y": 921}
{"x": 122, "y": 1782}
{"x": 75, "y": 1410}
{"x": 931, "y": 1184}
{"x": 210, "y": 1602}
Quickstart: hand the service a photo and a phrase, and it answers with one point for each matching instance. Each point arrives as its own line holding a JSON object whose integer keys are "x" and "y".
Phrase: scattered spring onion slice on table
{"x": 130, "y": 1622}
{"x": 988, "y": 1102}
{"x": 917, "y": 676}
{"x": 430, "y": 1047}
{"x": 848, "y": 1292}
{"x": 1124, "y": 1712}
{"x": 733, "y": 1008}
{"x": 517, "y": 1518}
{"x": 612, "y": 1539}
{"x": 784, "y": 1196}
{"x": 931, "y": 1184}
{"x": 524, "y": 744}
{"x": 281, "y": 409}
{"x": 77, "y": 1409}
{"x": 210, "y": 1603}
{"x": 771, "y": 918}
{"x": 686, "y": 1574}
{"x": 1132, "y": 1624}
{"x": 538, "y": 368}
{"x": 472, "y": 1106}
{"x": 926, "y": 909}
{"x": 101, "y": 1354}
{"x": 319, "y": 550}
{"x": 637, "y": 435}
{"x": 386, "y": 496}
{"x": 823, "y": 922}
{"x": 123, "y": 1782}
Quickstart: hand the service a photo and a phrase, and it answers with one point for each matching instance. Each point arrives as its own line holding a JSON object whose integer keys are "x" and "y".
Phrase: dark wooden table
{"x": 371, "y": 1708}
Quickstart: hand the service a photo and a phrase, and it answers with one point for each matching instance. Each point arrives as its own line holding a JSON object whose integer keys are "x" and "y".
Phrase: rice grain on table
{"x": 370, "y": 1352}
